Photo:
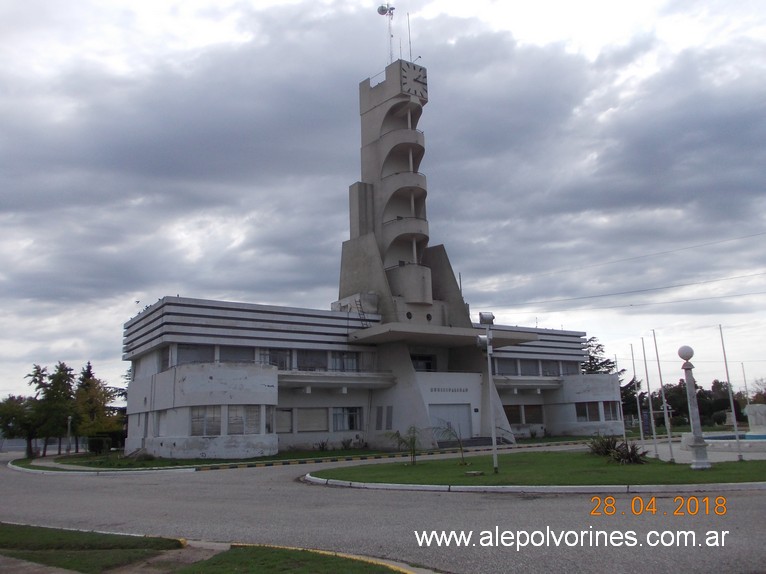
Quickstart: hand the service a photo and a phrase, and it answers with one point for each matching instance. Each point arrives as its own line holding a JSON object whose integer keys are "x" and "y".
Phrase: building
{"x": 397, "y": 349}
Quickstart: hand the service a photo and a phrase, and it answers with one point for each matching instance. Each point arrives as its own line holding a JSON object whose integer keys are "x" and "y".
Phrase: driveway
{"x": 271, "y": 505}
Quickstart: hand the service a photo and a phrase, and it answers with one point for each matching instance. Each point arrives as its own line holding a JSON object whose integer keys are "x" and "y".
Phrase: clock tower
{"x": 387, "y": 265}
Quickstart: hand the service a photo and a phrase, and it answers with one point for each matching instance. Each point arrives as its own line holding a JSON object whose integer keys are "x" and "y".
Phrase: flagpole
{"x": 731, "y": 396}
{"x": 662, "y": 394}
{"x": 651, "y": 409}
{"x": 638, "y": 400}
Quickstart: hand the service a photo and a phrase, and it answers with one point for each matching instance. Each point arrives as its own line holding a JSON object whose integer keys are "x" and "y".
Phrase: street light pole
{"x": 697, "y": 444}
{"x": 68, "y": 434}
{"x": 488, "y": 319}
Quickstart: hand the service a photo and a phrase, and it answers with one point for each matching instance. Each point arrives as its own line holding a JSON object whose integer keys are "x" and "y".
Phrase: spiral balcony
{"x": 404, "y": 229}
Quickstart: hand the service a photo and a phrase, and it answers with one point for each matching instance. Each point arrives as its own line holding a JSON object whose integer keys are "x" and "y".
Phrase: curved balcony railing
{"x": 404, "y": 228}
{"x": 399, "y": 137}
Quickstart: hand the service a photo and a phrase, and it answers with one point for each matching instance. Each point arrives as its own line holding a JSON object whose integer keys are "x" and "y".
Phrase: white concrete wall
{"x": 560, "y": 411}
{"x": 159, "y": 416}
{"x": 296, "y": 399}
{"x": 453, "y": 388}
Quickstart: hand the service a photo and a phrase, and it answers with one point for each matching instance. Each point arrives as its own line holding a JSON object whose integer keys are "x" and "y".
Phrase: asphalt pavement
{"x": 560, "y": 532}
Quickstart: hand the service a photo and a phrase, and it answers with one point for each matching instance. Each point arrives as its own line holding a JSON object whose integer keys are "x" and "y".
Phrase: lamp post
{"x": 488, "y": 319}
{"x": 68, "y": 434}
{"x": 697, "y": 444}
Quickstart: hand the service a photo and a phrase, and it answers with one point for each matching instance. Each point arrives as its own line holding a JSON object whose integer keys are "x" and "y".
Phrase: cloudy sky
{"x": 592, "y": 165}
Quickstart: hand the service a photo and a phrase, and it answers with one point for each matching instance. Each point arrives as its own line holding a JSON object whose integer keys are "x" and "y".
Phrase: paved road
{"x": 270, "y": 505}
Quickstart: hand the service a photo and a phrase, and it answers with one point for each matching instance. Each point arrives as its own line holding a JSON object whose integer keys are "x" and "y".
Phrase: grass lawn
{"x": 116, "y": 460}
{"x": 257, "y": 559}
{"x": 87, "y": 552}
{"x": 92, "y": 553}
{"x": 547, "y": 468}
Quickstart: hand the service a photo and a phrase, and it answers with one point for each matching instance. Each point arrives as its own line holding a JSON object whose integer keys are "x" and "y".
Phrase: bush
{"x": 628, "y": 453}
{"x": 99, "y": 444}
{"x": 678, "y": 421}
{"x": 719, "y": 418}
{"x": 602, "y": 445}
{"x": 612, "y": 448}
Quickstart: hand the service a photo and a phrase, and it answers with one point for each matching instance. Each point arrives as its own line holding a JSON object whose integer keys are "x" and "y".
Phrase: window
{"x": 346, "y": 418}
{"x": 284, "y": 420}
{"x": 195, "y": 354}
{"x": 164, "y": 358}
{"x": 570, "y": 368}
{"x": 550, "y": 368}
{"x": 507, "y": 367}
{"x": 312, "y": 419}
{"x": 425, "y": 363}
{"x": 533, "y": 414}
{"x": 236, "y": 354}
{"x": 269, "y": 419}
{"x": 244, "y": 419}
{"x": 388, "y": 423}
{"x": 587, "y": 412}
{"x": 529, "y": 367}
{"x": 206, "y": 421}
{"x": 280, "y": 358}
{"x": 310, "y": 360}
{"x": 513, "y": 412}
{"x": 611, "y": 410}
{"x": 345, "y": 361}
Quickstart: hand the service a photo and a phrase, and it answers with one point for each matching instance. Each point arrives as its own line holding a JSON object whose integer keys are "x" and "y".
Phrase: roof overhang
{"x": 435, "y": 335}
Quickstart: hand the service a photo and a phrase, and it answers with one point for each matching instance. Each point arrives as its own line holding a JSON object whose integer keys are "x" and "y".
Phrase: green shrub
{"x": 719, "y": 417}
{"x": 99, "y": 444}
{"x": 602, "y": 445}
{"x": 628, "y": 453}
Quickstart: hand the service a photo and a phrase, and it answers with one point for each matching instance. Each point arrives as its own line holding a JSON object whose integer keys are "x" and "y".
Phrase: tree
{"x": 55, "y": 404}
{"x": 409, "y": 440}
{"x": 93, "y": 412}
{"x": 758, "y": 396}
{"x": 597, "y": 363}
{"x": 628, "y": 393}
{"x": 19, "y": 418}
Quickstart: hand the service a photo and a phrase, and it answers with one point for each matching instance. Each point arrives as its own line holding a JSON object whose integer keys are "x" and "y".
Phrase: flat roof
{"x": 436, "y": 335}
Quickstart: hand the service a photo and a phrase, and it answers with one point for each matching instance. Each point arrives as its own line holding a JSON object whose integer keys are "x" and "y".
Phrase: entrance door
{"x": 458, "y": 417}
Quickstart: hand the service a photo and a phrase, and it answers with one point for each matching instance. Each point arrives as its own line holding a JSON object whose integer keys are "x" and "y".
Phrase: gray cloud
{"x": 223, "y": 172}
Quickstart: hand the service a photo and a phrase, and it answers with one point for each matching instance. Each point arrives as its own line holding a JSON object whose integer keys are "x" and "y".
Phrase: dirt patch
{"x": 171, "y": 560}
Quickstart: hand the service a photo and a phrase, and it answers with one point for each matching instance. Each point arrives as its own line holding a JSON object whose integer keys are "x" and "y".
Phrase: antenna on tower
{"x": 388, "y": 10}
{"x": 409, "y": 35}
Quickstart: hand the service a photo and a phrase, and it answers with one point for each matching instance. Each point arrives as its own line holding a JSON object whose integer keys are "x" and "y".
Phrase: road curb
{"x": 539, "y": 489}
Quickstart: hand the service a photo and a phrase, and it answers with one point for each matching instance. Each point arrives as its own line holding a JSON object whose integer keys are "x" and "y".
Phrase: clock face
{"x": 414, "y": 80}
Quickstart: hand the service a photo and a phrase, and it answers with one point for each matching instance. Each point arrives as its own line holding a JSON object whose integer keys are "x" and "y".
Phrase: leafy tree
{"x": 758, "y": 396}
{"x": 628, "y": 393}
{"x": 55, "y": 394}
{"x": 597, "y": 363}
{"x": 20, "y": 418}
{"x": 93, "y": 398}
{"x": 409, "y": 440}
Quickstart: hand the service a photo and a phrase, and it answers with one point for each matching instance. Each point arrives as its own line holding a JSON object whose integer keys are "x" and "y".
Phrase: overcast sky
{"x": 594, "y": 165}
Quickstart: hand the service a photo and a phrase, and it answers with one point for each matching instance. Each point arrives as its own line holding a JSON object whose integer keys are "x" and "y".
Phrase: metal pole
{"x": 744, "y": 378}
{"x": 651, "y": 408}
{"x": 638, "y": 400}
{"x": 731, "y": 396}
{"x": 664, "y": 401}
{"x": 622, "y": 414}
{"x": 487, "y": 319}
{"x": 491, "y": 407}
{"x": 68, "y": 434}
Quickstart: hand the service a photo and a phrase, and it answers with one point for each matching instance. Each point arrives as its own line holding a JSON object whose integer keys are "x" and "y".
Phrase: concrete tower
{"x": 387, "y": 266}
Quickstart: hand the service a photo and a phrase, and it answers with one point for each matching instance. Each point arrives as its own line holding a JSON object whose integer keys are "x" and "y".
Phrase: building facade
{"x": 397, "y": 349}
